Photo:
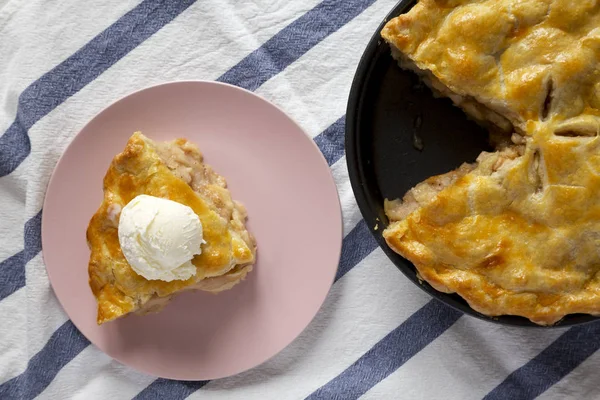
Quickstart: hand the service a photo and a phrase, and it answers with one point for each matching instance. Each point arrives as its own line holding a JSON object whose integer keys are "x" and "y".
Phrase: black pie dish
{"x": 397, "y": 135}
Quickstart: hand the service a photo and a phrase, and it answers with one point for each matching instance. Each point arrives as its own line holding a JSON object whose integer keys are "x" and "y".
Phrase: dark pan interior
{"x": 389, "y": 115}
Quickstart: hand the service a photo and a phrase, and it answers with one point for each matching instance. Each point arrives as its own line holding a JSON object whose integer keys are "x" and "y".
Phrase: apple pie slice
{"x": 174, "y": 171}
{"x": 518, "y": 231}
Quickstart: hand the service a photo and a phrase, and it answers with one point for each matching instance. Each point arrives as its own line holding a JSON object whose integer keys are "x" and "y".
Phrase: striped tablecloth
{"x": 377, "y": 336}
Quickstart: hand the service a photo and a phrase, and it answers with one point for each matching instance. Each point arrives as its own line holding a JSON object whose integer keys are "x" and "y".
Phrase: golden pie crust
{"x": 175, "y": 171}
{"x": 517, "y": 232}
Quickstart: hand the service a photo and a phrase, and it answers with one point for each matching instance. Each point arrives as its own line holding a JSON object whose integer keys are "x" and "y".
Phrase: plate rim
{"x": 331, "y": 183}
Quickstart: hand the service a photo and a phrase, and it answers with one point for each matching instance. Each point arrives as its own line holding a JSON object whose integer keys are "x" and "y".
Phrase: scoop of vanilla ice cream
{"x": 159, "y": 238}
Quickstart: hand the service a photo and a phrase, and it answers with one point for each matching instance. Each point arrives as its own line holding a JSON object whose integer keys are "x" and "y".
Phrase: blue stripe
{"x": 358, "y": 244}
{"x": 62, "y": 347}
{"x": 168, "y": 389}
{"x": 331, "y": 141}
{"x": 70, "y": 76}
{"x": 293, "y": 41}
{"x": 554, "y": 363}
{"x": 12, "y": 274}
{"x": 390, "y": 353}
{"x": 12, "y": 270}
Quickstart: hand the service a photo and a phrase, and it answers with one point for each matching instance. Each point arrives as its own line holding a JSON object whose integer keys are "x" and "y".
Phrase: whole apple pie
{"x": 518, "y": 231}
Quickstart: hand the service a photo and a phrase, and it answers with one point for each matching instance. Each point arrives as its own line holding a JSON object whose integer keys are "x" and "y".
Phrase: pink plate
{"x": 271, "y": 166}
